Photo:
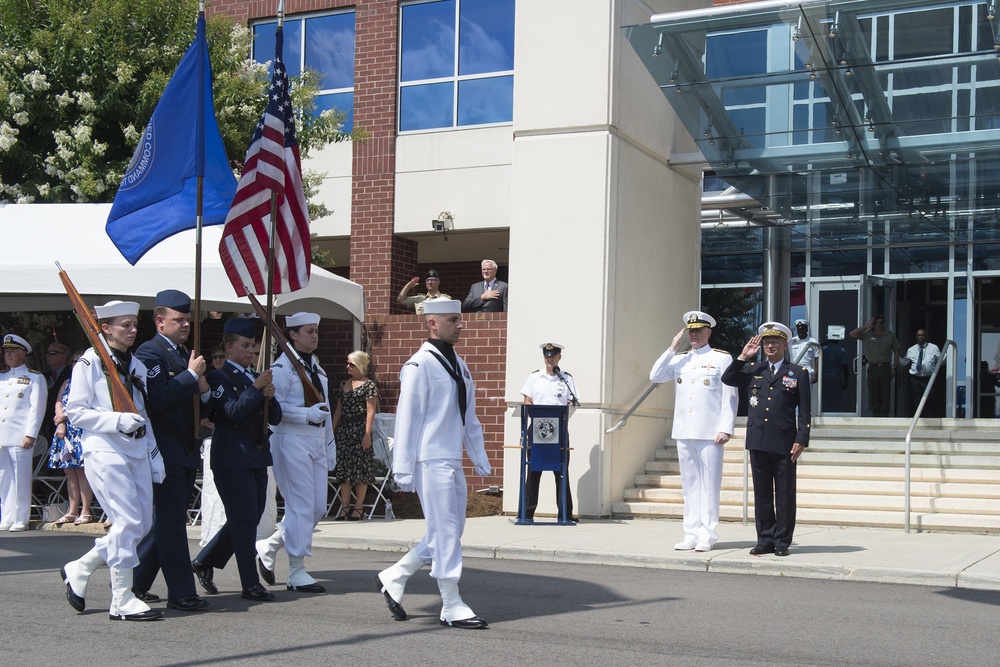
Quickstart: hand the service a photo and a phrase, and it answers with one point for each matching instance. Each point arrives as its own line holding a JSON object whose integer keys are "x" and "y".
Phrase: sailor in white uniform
{"x": 300, "y": 444}
{"x": 22, "y": 407}
{"x": 122, "y": 463}
{"x": 435, "y": 417}
{"x": 704, "y": 418}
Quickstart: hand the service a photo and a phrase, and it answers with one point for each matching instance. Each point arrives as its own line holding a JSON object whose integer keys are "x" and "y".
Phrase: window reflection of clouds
{"x": 339, "y": 101}
{"x": 428, "y": 41}
{"x": 330, "y": 49}
{"x": 483, "y": 101}
{"x": 486, "y": 39}
{"x": 426, "y": 107}
{"x": 263, "y": 47}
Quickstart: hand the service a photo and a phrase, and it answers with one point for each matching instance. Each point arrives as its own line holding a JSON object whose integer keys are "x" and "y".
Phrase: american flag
{"x": 272, "y": 165}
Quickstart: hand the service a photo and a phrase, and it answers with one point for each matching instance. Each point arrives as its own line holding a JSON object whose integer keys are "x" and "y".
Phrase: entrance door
{"x": 837, "y": 309}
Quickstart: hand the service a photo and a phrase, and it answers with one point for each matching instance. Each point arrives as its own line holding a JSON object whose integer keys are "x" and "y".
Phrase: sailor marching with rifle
{"x": 107, "y": 401}
{"x": 302, "y": 448}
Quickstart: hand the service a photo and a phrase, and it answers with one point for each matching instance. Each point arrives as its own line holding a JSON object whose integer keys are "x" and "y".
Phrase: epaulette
{"x": 537, "y": 370}
{"x": 684, "y": 352}
{"x": 567, "y": 373}
{"x": 722, "y": 351}
{"x": 34, "y": 372}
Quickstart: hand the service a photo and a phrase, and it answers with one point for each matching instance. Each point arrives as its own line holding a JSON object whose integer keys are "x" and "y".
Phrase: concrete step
{"x": 806, "y": 515}
{"x": 840, "y": 473}
{"x": 669, "y": 486}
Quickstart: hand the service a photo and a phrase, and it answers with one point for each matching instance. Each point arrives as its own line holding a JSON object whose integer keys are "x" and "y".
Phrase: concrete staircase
{"x": 853, "y": 475}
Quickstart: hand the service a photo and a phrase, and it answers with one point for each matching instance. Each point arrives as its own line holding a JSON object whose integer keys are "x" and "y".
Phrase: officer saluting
{"x": 704, "y": 417}
{"x": 22, "y": 406}
{"x": 436, "y": 415}
{"x": 777, "y": 432}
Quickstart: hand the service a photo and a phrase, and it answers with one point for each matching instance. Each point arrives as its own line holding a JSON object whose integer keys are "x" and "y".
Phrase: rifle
{"x": 309, "y": 390}
{"x": 121, "y": 399}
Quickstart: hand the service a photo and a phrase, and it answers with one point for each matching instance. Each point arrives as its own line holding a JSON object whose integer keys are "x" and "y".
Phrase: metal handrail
{"x": 635, "y": 406}
{"x": 948, "y": 344}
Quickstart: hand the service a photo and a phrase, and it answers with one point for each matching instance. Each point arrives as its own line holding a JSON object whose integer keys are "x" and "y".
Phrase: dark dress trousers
{"x": 172, "y": 392}
{"x": 474, "y": 304}
{"x": 240, "y": 457}
{"x": 778, "y": 416}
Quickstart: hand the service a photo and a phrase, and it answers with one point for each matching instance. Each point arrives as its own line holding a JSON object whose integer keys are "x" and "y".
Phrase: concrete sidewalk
{"x": 819, "y": 552}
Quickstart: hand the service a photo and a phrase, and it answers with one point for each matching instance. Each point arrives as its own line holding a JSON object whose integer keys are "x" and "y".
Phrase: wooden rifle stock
{"x": 309, "y": 390}
{"x": 121, "y": 399}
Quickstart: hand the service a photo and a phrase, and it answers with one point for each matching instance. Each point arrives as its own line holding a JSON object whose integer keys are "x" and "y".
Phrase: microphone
{"x": 573, "y": 398}
{"x": 557, "y": 370}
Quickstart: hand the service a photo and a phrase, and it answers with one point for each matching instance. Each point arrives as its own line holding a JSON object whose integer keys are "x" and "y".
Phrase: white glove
{"x": 317, "y": 414}
{"x": 404, "y": 481}
{"x": 331, "y": 455}
{"x": 129, "y": 422}
{"x": 483, "y": 469}
{"x": 156, "y": 467}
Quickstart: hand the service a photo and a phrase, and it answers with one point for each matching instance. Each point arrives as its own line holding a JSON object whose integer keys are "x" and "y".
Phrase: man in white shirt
{"x": 920, "y": 359}
{"x": 802, "y": 349}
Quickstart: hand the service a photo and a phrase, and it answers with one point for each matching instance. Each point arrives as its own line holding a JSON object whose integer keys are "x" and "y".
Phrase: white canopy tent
{"x": 38, "y": 235}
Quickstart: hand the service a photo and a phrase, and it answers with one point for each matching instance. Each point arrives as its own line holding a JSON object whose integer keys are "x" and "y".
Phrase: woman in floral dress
{"x": 357, "y": 401}
{"x": 66, "y": 453}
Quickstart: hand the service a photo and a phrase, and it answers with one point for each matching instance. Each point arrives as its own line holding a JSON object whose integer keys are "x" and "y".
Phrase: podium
{"x": 544, "y": 446}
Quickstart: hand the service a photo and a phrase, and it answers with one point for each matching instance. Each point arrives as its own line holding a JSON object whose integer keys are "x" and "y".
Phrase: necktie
{"x": 772, "y": 371}
{"x": 314, "y": 376}
{"x": 920, "y": 361}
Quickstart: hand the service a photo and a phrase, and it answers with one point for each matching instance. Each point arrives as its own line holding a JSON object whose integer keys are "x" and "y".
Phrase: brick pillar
{"x": 380, "y": 262}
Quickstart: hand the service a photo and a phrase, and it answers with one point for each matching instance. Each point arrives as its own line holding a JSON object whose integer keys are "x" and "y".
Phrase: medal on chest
{"x": 753, "y": 397}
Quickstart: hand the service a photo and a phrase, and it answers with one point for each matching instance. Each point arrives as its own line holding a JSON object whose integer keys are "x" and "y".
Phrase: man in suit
{"x": 435, "y": 416}
{"x": 778, "y": 420}
{"x": 175, "y": 378}
{"x": 240, "y": 457}
{"x": 57, "y": 359}
{"x": 488, "y": 295}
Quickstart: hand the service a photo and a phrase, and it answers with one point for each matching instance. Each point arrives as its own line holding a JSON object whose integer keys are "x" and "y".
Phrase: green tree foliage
{"x": 736, "y": 311}
{"x": 79, "y": 79}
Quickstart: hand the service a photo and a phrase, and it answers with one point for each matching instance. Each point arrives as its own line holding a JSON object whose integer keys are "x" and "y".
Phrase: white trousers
{"x": 124, "y": 487}
{"x": 443, "y": 496}
{"x": 701, "y": 483}
{"x": 301, "y": 474}
{"x": 15, "y": 484}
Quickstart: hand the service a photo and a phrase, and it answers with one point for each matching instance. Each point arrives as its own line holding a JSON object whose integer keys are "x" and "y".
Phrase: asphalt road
{"x": 540, "y": 614}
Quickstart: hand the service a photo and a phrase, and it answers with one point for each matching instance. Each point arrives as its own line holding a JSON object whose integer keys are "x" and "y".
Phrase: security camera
{"x": 438, "y": 225}
{"x": 444, "y": 222}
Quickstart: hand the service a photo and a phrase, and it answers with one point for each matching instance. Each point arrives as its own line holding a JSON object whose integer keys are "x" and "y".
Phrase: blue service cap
{"x": 173, "y": 299}
{"x": 241, "y": 326}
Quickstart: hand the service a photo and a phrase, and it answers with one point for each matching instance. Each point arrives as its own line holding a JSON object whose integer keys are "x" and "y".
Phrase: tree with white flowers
{"x": 80, "y": 78}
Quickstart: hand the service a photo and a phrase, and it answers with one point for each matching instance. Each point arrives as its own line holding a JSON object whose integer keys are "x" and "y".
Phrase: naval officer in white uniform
{"x": 300, "y": 443}
{"x": 435, "y": 417}
{"x": 22, "y": 407}
{"x": 704, "y": 418}
{"x": 122, "y": 463}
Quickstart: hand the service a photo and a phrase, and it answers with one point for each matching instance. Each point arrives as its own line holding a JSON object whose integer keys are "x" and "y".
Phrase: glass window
{"x": 456, "y": 63}
{"x": 327, "y": 46}
{"x": 838, "y": 263}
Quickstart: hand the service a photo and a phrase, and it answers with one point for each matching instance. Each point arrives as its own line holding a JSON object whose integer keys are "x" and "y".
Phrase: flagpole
{"x": 199, "y": 198}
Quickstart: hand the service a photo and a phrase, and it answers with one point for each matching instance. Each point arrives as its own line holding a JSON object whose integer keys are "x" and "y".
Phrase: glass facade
{"x": 456, "y": 64}
{"x": 866, "y": 133}
{"x": 324, "y": 43}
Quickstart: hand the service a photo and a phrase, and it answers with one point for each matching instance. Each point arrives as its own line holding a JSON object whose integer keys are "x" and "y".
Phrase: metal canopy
{"x": 855, "y": 111}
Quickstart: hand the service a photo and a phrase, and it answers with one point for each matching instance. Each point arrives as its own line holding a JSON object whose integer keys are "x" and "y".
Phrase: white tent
{"x": 36, "y": 236}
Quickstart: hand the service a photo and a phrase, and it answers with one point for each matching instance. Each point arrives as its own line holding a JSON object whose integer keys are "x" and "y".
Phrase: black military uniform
{"x": 778, "y": 417}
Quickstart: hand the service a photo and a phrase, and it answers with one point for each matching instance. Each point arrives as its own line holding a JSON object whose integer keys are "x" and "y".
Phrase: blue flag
{"x": 157, "y": 196}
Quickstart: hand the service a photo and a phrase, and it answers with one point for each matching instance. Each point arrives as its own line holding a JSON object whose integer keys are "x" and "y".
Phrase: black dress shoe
{"x": 474, "y": 623}
{"x": 257, "y": 593}
{"x": 205, "y": 575}
{"x": 74, "y": 600}
{"x": 394, "y": 607}
{"x": 307, "y": 588}
{"x": 781, "y": 551}
{"x": 193, "y": 602}
{"x": 148, "y": 615}
{"x": 145, "y": 596}
{"x": 265, "y": 574}
{"x": 761, "y": 549}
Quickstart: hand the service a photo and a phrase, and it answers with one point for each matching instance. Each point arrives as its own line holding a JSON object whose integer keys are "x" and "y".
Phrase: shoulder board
{"x": 31, "y": 372}
{"x": 537, "y": 370}
{"x": 683, "y": 353}
{"x": 567, "y": 373}
{"x": 804, "y": 369}
{"x": 722, "y": 351}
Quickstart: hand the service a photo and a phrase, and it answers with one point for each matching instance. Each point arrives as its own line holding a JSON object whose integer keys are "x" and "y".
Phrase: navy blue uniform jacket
{"x": 772, "y": 423}
{"x": 238, "y": 412}
{"x": 171, "y": 392}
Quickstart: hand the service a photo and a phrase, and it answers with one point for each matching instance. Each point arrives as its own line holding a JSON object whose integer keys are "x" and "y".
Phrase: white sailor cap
{"x": 15, "y": 342}
{"x": 442, "y": 307}
{"x": 301, "y": 319}
{"x": 774, "y": 329}
{"x": 116, "y": 309}
{"x": 801, "y": 322}
{"x": 695, "y": 319}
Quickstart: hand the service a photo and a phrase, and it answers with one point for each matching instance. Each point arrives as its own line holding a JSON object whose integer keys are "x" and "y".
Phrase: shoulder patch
{"x": 410, "y": 363}
{"x": 276, "y": 366}
{"x": 218, "y": 392}
{"x": 154, "y": 371}
{"x": 84, "y": 361}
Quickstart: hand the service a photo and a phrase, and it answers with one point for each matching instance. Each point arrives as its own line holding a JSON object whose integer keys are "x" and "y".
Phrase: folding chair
{"x": 47, "y": 486}
{"x": 382, "y": 438}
